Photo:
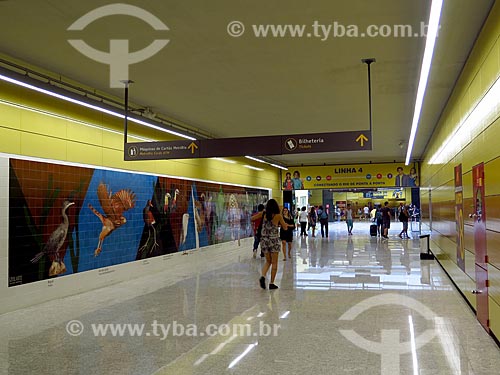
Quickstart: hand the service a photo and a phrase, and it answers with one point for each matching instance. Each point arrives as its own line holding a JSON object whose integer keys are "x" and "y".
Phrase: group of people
{"x": 274, "y": 228}
{"x": 382, "y": 217}
{"x": 309, "y": 219}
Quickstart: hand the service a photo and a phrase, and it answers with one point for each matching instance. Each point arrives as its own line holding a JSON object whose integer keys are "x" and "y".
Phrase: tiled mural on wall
{"x": 66, "y": 219}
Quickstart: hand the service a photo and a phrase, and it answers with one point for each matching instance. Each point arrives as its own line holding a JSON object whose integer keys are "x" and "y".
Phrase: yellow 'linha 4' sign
{"x": 362, "y": 176}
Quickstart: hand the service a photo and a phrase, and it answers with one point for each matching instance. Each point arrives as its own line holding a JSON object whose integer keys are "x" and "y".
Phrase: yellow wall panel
{"x": 469, "y": 238}
{"x": 114, "y": 159}
{"x": 76, "y": 152}
{"x": 150, "y": 167}
{"x": 112, "y": 140}
{"x": 11, "y": 116}
{"x": 492, "y": 177}
{"x": 43, "y": 146}
{"x": 10, "y": 93}
{"x": 494, "y": 313}
{"x": 480, "y": 150}
{"x": 10, "y": 141}
{"x": 479, "y": 145}
{"x": 467, "y": 184}
{"x": 494, "y": 300}
{"x": 470, "y": 266}
{"x": 493, "y": 248}
{"x": 491, "y": 67}
{"x": 463, "y": 111}
{"x": 84, "y": 134}
{"x": 40, "y": 124}
{"x": 476, "y": 91}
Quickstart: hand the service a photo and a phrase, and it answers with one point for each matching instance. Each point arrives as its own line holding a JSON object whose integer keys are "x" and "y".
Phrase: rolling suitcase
{"x": 373, "y": 230}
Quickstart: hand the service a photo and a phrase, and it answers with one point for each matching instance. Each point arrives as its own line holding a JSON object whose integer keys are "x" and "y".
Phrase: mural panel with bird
{"x": 54, "y": 244}
{"x": 45, "y": 232}
{"x": 113, "y": 205}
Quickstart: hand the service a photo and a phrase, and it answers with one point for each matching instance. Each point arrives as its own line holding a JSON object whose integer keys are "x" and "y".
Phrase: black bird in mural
{"x": 54, "y": 244}
{"x": 149, "y": 220}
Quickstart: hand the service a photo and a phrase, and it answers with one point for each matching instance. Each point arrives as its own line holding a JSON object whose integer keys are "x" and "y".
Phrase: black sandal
{"x": 262, "y": 281}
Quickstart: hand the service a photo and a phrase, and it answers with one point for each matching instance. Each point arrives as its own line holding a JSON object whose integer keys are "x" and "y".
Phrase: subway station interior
{"x": 138, "y": 140}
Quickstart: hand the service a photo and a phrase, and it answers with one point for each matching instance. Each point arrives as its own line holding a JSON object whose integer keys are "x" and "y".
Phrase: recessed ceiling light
{"x": 430, "y": 43}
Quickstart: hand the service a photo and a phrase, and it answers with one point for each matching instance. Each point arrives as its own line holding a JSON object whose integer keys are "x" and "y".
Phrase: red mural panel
{"x": 479, "y": 216}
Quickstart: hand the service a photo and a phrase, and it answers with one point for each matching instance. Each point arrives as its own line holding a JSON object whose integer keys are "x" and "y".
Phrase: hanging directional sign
{"x": 325, "y": 142}
{"x": 258, "y": 146}
{"x": 184, "y": 149}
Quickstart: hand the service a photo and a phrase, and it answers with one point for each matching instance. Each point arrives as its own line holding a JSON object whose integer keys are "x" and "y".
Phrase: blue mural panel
{"x": 65, "y": 219}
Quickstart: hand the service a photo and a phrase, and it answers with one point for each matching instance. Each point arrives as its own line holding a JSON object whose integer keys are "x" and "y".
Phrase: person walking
{"x": 313, "y": 219}
{"x": 366, "y": 212}
{"x": 403, "y": 217}
{"x": 386, "y": 219}
{"x": 379, "y": 221}
{"x": 270, "y": 240}
{"x": 303, "y": 220}
{"x": 323, "y": 220}
{"x": 348, "y": 219}
{"x": 256, "y": 230}
{"x": 373, "y": 213}
{"x": 286, "y": 234}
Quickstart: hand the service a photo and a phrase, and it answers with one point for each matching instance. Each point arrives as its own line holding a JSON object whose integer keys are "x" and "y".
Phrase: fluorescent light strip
{"x": 59, "y": 96}
{"x": 255, "y": 159}
{"x": 279, "y": 166}
{"x": 225, "y": 160}
{"x": 156, "y": 127}
{"x": 251, "y": 167}
{"x": 265, "y": 162}
{"x": 100, "y": 109}
{"x": 430, "y": 42}
{"x": 61, "y": 117}
{"x": 91, "y": 106}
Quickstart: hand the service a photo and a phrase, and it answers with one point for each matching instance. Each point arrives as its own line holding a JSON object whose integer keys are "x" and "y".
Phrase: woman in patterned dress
{"x": 270, "y": 242}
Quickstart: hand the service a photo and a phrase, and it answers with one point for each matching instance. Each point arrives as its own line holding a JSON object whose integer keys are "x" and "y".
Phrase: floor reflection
{"x": 361, "y": 262}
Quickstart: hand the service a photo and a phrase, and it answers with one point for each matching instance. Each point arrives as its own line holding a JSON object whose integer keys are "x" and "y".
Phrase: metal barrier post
{"x": 428, "y": 255}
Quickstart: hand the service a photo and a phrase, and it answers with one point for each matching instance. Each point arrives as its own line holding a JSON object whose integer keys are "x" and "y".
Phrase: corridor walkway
{"x": 345, "y": 305}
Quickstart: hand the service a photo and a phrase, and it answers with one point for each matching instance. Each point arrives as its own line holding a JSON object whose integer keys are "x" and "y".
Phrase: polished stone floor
{"x": 345, "y": 305}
